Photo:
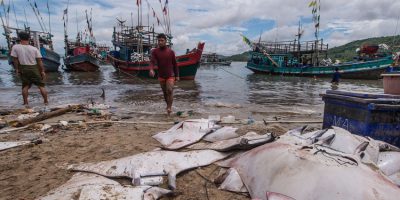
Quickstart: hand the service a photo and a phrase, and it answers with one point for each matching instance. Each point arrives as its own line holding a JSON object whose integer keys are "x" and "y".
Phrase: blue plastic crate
{"x": 373, "y": 115}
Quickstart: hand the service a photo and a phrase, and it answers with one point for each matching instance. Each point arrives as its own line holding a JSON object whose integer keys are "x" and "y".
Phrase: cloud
{"x": 219, "y": 22}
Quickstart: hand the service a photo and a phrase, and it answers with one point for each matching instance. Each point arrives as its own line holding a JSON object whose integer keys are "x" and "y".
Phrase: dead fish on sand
{"x": 152, "y": 164}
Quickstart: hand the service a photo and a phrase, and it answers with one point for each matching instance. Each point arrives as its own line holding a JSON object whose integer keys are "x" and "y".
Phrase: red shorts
{"x": 165, "y": 80}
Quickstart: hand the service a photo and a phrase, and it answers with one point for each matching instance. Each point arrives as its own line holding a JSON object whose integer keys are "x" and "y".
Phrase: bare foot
{"x": 169, "y": 111}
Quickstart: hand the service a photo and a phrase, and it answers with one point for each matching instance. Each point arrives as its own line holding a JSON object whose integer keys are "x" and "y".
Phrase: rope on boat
{"x": 238, "y": 76}
{"x": 134, "y": 76}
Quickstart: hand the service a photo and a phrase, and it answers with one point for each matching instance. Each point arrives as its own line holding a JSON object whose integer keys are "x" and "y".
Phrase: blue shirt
{"x": 336, "y": 77}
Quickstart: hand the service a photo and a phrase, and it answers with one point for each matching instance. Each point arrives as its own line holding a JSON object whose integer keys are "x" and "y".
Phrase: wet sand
{"x": 31, "y": 171}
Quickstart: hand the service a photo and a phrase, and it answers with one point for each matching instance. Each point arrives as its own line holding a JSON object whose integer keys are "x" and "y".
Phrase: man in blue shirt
{"x": 336, "y": 77}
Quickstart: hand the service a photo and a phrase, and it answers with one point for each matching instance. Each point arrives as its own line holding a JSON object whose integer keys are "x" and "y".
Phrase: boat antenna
{"x": 48, "y": 10}
{"x": 138, "y": 2}
{"x": 299, "y": 34}
{"x": 259, "y": 39}
{"x": 77, "y": 22}
{"x": 131, "y": 18}
{"x": 121, "y": 21}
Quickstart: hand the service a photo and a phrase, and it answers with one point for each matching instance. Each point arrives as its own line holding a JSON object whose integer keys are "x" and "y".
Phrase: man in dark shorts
{"x": 168, "y": 71}
{"x": 336, "y": 77}
{"x": 27, "y": 62}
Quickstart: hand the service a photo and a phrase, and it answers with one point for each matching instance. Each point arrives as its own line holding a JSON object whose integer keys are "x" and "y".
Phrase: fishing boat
{"x": 102, "y": 51}
{"x": 42, "y": 40}
{"x": 213, "y": 59}
{"x": 288, "y": 59}
{"x": 3, "y": 53}
{"x": 133, "y": 44}
{"x": 310, "y": 58}
{"x": 81, "y": 54}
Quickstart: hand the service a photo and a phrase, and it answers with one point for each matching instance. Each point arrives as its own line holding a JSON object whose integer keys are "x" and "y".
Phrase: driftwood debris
{"x": 46, "y": 115}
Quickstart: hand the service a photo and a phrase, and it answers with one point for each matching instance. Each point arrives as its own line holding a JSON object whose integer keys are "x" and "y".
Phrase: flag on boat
{"x": 312, "y": 3}
{"x": 246, "y": 40}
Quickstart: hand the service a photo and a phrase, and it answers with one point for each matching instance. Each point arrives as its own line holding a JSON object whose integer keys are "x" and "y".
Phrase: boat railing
{"x": 286, "y": 47}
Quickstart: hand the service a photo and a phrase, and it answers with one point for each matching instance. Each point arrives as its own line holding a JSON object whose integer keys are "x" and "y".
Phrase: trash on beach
{"x": 27, "y": 116}
{"x": 334, "y": 163}
{"x": 152, "y": 164}
{"x": 9, "y": 145}
{"x": 46, "y": 128}
{"x": 97, "y": 106}
{"x": 91, "y": 186}
{"x": 184, "y": 114}
{"x": 244, "y": 142}
{"x": 63, "y": 123}
{"x": 185, "y": 133}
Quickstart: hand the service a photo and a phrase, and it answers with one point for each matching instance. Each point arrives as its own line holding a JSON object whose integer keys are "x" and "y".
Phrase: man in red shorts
{"x": 168, "y": 71}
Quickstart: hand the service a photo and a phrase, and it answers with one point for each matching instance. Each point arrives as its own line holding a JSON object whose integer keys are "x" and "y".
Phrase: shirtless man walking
{"x": 27, "y": 62}
{"x": 168, "y": 71}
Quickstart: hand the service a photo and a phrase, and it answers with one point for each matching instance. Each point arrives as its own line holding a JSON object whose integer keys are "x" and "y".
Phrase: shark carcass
{"x": 326, "y": 164}
{"x": 90, "y": 186}
{"x": 152, "y": 165}
{"x": 185, "y": 133}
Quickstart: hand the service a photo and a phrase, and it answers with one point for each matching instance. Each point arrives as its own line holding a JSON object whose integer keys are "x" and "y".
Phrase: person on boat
{"x": 390, "y": 68}
{"x": 336, "y": 77}
{"x": 28, "y": 65}
{"x": 168, "y": 71}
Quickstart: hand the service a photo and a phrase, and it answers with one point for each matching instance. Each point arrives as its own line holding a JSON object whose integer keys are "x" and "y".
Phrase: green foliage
{"x": 239, "y": 57}
{"x": 348, "y": 51}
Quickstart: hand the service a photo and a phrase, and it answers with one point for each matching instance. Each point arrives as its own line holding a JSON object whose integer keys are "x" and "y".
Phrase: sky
{"x": 219, "y": 23}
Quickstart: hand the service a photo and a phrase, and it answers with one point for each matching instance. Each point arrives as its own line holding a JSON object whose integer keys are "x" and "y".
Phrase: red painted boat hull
{"x": 187, "y": 64}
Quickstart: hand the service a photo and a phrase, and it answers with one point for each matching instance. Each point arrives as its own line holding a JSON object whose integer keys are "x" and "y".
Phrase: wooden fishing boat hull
{"x": 370, "y": 70}
{"x": 50, "y": 59}
{"x": 187, "y": 64}
{"x": 83, "y": 62}
{"x": 3, "y": 56}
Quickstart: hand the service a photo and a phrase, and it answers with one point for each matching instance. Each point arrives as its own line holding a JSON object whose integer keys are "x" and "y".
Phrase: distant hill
{"x": 239, "y": 57}
{"x": 345, "y": 52}
{"x": 348, "y": 51}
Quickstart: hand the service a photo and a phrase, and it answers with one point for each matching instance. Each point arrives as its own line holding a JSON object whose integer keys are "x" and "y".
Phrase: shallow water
{"x": 216, "y": 90}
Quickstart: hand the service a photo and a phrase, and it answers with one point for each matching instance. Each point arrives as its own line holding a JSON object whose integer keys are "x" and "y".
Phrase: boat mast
{"x": 316, "y": 8}
{"x": 300, "y": 32}
{"x": 48, "y": 10}
{"x": 6, "y": 33}
{"x": 65, "y": 18}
